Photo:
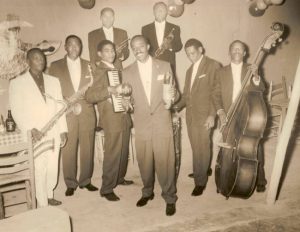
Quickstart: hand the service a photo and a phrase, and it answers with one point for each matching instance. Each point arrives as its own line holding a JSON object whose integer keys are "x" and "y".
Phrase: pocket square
{"x": 160, "y": 77}
{"x": 201, "y": 76}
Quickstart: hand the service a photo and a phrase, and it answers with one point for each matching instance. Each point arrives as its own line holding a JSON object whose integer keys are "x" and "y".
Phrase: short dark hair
{"x": 160, "y": 3}
{"x": 33, "y": 50}
{"x": 106, "y": 9}
{"x": 73, "y": 37}
{"x": 193, "y": 42}
{"x": 103, "y": 43}
{"x": 139, "y": 37}
{"x": 238, "y": 41}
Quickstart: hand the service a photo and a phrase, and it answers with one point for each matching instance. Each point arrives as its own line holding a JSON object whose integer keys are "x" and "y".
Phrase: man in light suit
{"x": 152, "y": 122}
{"x": 200, "y": 110}
{"x": 32, "y": 110}
{"x": 72, "y": 72}
{"x": 157, "y": 33}
{"x": 107, "y": 31}
{"x": 116, "y": 126}
{"x": 227, "y": 86}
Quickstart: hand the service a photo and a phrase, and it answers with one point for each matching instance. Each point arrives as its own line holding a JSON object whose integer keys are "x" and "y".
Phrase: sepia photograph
{"x": 149, "y": 115}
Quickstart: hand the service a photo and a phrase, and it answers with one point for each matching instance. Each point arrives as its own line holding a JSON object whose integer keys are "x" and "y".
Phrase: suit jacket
{"x": 60, "y": 70}
{"x": 224, "y": 87}
{"x": 98, "y": 93}
{"x": 149, "y": 119}
{"x": 150, "y": 33}
{"x": 198, "y": 98}
{"x": 30, "y": 109}
{"x": 96, "y": 36}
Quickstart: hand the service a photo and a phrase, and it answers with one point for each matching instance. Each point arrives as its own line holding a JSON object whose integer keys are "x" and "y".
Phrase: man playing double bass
{"x": 227, "y": 86}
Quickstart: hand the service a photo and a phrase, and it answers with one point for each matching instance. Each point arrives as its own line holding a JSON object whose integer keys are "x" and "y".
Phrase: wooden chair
{"x": 278, "y": 101}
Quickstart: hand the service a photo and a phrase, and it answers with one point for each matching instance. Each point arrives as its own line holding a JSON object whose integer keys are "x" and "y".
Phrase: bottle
{"x": 2, "y": 125}
{"x": 10, "y": 123}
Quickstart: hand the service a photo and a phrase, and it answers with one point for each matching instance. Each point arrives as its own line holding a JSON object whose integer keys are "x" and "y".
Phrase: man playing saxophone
{"x": 164, "y": 37}
{"x": 31, "y": 111}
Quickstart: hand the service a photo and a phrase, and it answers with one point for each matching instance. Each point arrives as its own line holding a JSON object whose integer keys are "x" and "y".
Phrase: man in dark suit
{"x": 227, "y": 86}
{"x": 152, "y": 122}
{"x": 164, "y": 35}
{"x": 71, "y": 72}
{"x": 107, "y": 31}
{"x": 116, "y": 126}
{"x": 200, "y": 110}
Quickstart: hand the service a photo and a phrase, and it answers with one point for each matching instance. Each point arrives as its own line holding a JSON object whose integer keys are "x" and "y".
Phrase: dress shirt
{"x": 39, "y": 81}
{"x": 145, "y": 70}
{"x": 160, "y": 32}
{"x": 195, "y": 70}
{"x": 74, "y": 67}
{"x": 237, "y": 79}
{"x": 110, "y": 65}
{"x": 109, "y": 33}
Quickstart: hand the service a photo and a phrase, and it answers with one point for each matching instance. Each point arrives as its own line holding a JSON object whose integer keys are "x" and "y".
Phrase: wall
{"x": 215, "y": 22}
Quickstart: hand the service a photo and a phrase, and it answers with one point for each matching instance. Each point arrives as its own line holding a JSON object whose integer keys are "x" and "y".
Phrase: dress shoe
{"x": 69, "y": 192}
{"x": 209, "y": 173}
{"x": 170, "y": 209}
{"x": 126, "y": 182}
{"x": 89, "y": 187}
{"x": 110, "y": 196}
{"x": 53, "y": 202}
{"x": 198, "y": 190}
{"x": 260, "y": 188}
{"x": 144, "y": 200}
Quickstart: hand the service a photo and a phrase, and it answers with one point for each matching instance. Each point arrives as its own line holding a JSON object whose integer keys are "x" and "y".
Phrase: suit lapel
{"x": 83, "y": 79}
{"x": 101, "y": 35}
{"x": 34, "y": 91}
{"x": 155, "y": 35}
{"x": 155, "y": 84}
{"x": 67, "y": 77}
{"x": 228, "y": 81}
{"x": 200, "y": 71}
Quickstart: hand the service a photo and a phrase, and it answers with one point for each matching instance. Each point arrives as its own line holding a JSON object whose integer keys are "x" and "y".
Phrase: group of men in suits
{"x": 207, "y": 93}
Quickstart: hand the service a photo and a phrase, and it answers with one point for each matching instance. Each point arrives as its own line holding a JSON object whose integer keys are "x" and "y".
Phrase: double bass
{"x": 237, "y": 164}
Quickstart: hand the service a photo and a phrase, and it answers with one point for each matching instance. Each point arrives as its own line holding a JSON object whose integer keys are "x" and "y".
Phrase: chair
{"x": 17, "y": 169}
{"x": 278, "y": 101}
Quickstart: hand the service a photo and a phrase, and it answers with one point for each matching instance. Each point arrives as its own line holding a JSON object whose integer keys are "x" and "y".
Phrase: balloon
{"x": 268, "y": 2}
{"x": 175, "y": 10}
{"x": 277, "y": 2}
{"x": 261, "y": 5}
{"x": 87, "y": 4}
{"x": 178, "y": 2}
{"x": 188, "y": 1}
{"x": 254, "y": 11}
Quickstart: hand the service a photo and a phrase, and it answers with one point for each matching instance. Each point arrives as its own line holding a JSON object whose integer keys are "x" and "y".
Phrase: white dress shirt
{"x": 160, "y": 31}
{"x": 109, "y": 33}
{"x": 74, "y": 67}
{"x": 110, "y": 65}
{"x": 195, "y": 69}
{"x": 237, "y": 79}
{"x": 145, "y": 70}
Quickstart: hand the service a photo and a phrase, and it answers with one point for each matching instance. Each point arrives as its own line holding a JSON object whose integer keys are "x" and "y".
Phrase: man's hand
{"x": 36, "y": 135}
{"x": 254, "y": 71}
{"x": 121, "y": 89}
{"x": 63, "y": 139}
{"x": 210, "y": 122}
{"x": 127, "y": 105}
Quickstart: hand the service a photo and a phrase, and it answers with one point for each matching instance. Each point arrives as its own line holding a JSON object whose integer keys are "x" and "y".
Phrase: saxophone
{"x": 165, "y": 44}
{"x": 69, "y": 103}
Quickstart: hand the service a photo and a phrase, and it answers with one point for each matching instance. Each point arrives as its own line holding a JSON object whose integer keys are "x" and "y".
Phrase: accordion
{"x": 114, "y": 79}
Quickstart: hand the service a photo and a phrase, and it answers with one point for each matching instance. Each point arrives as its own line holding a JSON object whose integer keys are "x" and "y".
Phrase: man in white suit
{"x": 31, "y": 110}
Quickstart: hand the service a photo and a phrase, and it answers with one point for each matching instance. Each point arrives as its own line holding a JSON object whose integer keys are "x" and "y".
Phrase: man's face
{"x": 107, "y": 53}
{"x": 37, "y": 61}
{"x": 73, "y": 48}
{"x": 140, "y": 49}
{"x": 193, "y": 53}
{"x": 237, "y": 53}
{"x": 107, "y": 19}
{"x": 160, "y": 13}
